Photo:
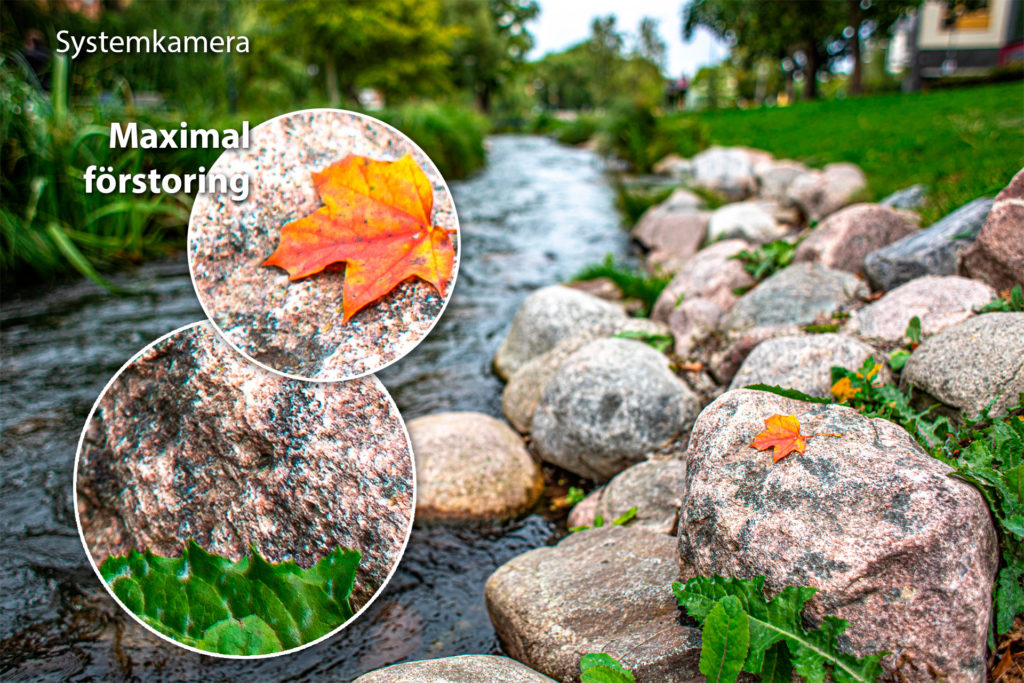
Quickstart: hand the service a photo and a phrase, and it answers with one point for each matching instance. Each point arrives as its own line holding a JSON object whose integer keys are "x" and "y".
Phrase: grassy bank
{"x": 961, "y": 143}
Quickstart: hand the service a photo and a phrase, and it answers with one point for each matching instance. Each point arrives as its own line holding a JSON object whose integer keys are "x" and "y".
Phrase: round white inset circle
{"x": 236, "y": 512}
{"x": 298, "y": 328}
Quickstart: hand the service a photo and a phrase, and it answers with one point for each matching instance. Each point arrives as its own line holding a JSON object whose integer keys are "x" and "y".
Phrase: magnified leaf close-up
{"x": 249, "y": 607}
{"x": 376, "y": 218}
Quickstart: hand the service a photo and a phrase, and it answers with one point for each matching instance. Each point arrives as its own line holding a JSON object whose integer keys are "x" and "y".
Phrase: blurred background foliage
{"x": 449, "y": 72}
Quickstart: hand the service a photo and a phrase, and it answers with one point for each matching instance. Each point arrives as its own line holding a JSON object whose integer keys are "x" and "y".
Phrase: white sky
{"x": 563, "y": 23}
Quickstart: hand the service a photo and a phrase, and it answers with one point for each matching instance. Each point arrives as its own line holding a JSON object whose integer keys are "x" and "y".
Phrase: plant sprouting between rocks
{"x": 659, "y": 342}
{"x": 766, "y": 260}
{"x": 632, "y": 282}
{"x": 599, "y": 522}
{"x": 1012, "y": 302}
{"x": 249, "y": 607}
{"x": 899, "y": 357}
{"x": 742, "y": 631}
{"x": 598, "y": 667}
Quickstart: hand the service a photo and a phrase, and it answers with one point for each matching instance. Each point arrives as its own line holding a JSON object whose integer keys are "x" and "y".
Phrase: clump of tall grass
{"x": 451, "y": 135}
{"x": 48, "y": 223}
{"x": 634, "y": 283}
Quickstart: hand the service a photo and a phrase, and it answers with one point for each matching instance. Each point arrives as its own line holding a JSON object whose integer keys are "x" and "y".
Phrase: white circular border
{"x": 109, "y": 589}
{"x": 451, "y": 284}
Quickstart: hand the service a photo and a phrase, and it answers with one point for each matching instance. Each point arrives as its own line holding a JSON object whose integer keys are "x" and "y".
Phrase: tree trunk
{"x": 912, "y": 81}
{"x": 857, "y": 77}
{"x": 483, "y": 97}
{"x": 331, "y": 83}
{"x": 811, "y": 72}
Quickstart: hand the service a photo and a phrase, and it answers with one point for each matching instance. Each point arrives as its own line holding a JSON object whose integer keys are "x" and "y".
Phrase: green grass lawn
{"x": 962, "y": 144}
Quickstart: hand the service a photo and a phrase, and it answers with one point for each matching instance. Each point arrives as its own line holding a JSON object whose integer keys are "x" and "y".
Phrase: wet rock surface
{"x": 894, "y": 545}
{"x": 546, "y": 317}
{"x": 607, "y": 406}
{"x": 937, "y": 302}
{"x": 461, "y": 669}
{"x": 601, "y": 590}
{"x": 522, "y": 393}
{"x": 801, "y": 294}
{"x": 192, "y": 441}
{"x": 296, "y": 327}
{"x": 821, "y": 193}
{"x": 471, "y": 466}
{"x": 711, "y": 273}
{"x": 997, "y": 255}
{"x": 932, "y": 251}
{"x": 845, "y": 238}
{"x": 803, "y": 362}
{"x": 971, "y": 364}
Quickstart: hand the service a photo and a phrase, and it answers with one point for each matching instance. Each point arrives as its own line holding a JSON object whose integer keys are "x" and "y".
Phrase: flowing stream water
{"x": 533, "y": 217}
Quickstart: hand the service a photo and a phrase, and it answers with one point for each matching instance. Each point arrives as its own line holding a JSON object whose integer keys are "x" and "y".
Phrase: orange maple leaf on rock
{"x": 782, "y": 432}
{"x": 376, "y": 218}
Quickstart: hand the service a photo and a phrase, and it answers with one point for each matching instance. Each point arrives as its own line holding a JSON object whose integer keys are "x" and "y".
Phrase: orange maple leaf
{"x": 782, "y": 432}
{"x": 376, "y": 218}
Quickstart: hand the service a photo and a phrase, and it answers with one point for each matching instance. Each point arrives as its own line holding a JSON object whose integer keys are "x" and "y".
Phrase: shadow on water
{"x": 537, "y": 214}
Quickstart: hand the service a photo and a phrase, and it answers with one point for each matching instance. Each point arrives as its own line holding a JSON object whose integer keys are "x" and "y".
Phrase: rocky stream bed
{"x": 903, "y": 552}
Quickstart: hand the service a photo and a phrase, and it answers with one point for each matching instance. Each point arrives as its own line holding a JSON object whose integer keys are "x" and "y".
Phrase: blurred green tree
{"x": 489, "y": 44}
{"x": 601, "y": 73}
{"x": 398, "y": 47}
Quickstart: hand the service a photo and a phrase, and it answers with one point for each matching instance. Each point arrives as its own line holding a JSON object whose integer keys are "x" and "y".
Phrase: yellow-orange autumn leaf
{"x": 843, "y": 389}
{"x": 376, "y": 218}
{"x": 782, "y": 433}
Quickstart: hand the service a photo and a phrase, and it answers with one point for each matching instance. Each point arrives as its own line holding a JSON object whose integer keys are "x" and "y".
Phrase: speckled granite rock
{"x": 471, "y": 466}
{"x": 894, "y": 545}
{"x": 972, "y": 363}
{"x": 192, "y": 441}
{"x": 775, "y": 177}
{"x": 726, "y": 360}
{"x": 601, "y": 590}
{"x": 821, "y": 193}
{"x": 711, "y": 273}
{"x": 522, "y": 393}
{"x": 674, "y": 166}
{"x": 693, "y": 323}
{"x": 801, "y": 294}
{"x": 672, "y": 230}
{"x": 913, "y": 197}
{"x": 933, "y": 251}
{"x": 804, "y": 362}
{"x": 546, "y": 317}
{"x": 296, "y": 327}
{"x": 653, "y": 487}
{"x": 937, "y": 301}
{"x": 728, "y": 170}
{"x": 753, "y": 221}
{"x": 845, "y": 238}
{"x": 583, "y": 512}
{"x": 607, "y": 406}
{"x": 461, "y": 669}
{"x": 997, "y": 255}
